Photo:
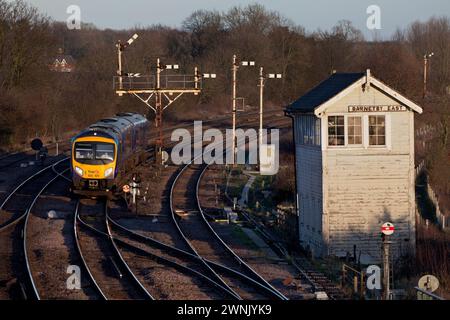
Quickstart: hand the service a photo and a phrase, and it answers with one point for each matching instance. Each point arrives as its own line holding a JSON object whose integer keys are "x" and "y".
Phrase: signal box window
{"x": 354, "y": 130}
{"x": 336, "y": 131}
{"x": 377, "y": 130}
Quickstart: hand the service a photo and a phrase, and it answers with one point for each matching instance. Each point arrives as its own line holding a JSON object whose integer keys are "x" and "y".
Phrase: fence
{"x": 355, "y": 278}
{"x": 420, "y": 167}
{"x": 148, "y": 82}
{"x": 442, "y": 220}
{"x": 426, "y": 295}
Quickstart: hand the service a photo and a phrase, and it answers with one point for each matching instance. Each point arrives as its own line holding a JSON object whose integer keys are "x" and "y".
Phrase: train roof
{"x": 113, "y": 127}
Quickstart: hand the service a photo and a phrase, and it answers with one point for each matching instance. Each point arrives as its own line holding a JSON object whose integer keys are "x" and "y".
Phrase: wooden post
{"x": 361, "y": 295}
{"x": 386, "y": 269}
{"x": 343, "y": 276}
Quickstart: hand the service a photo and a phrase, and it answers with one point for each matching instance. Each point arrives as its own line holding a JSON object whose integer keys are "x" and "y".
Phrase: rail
{"x": 124, "y": 263}
{"x": 115, "y": 250}
{"x": 185, "y": 254}
{"x": 238, "y": 259}
{"x": 185, "y": 239}
{"x": 27, "y": 215}
{"x": 283, "y": 252}
{"x": 161, "y": 246}
{"x": 80, "y": 253}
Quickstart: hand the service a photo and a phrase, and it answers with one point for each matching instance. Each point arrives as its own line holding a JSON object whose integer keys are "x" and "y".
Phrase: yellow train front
{"x": 105, "y": 152}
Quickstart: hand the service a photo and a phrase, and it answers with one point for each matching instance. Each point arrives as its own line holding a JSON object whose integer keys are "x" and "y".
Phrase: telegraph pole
{"x": 261, "y": 102}
{"x": 120, "y": 48}
{"x": 426, "y": 57}
{"x": 119, "y": 58}
{"x": 158, "y": 114}
{"x": 262, "y": 79}
{"x": 234, "y": 70}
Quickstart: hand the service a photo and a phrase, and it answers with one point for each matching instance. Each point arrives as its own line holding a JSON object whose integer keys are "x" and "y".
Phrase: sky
{"x": 311, "y": 14}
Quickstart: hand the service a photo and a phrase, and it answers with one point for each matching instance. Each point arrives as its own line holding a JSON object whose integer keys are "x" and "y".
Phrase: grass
{"x": 236, "y": 183}
{"x": 261, "y": 183}
{"x": 240, "y": 236}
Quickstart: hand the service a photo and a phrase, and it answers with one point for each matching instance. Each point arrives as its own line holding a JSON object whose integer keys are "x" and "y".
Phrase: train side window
{"x": 124, "y": 141}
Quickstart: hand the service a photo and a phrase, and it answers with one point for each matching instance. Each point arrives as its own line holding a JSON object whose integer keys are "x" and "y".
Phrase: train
{"x": 104, "y": 153}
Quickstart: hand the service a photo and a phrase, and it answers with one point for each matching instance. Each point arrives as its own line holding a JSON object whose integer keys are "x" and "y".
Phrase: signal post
{"x": 156, "y": 91}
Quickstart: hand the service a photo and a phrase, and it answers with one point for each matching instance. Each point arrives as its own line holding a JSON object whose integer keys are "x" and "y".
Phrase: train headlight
{"x": 79, "y": 171}
{"x": 108, "y": 172}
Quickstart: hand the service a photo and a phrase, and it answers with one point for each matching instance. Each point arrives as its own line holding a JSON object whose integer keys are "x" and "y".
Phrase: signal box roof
{"x": 324, "y": 92}
{"x": 336, "y": 86}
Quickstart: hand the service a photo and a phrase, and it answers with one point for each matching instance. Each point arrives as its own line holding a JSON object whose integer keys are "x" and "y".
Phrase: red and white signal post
{"x": 387, "y": 229}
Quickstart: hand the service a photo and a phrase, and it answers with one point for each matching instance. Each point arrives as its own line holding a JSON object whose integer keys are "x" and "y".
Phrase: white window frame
{"x": 364, "y": 130}
{"x": 387, "y": 131}
{"x": 345, "y": 130}
{"x": 359, "y": 145}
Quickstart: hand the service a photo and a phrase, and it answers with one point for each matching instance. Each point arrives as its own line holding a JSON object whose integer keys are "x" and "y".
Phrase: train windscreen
{"x": 94, "y": 152}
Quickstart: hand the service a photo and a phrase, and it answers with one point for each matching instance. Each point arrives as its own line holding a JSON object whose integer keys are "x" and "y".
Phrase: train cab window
{"x": 94, "y": 153}
{"x": 84, "y": 151}
{"x": 104, "y": 151}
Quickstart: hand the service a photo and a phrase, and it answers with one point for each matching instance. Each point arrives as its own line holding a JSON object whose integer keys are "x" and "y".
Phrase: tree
{"x": 25, "y": 34}
{"x": 206, "y": 29}
{"x": 336, "y": 48}
{"x": 433, "y": 36}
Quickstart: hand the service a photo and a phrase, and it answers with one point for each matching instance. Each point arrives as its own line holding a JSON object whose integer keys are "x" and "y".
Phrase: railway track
{"x": 14, "y": 207}
{"x": 180, "y": 252}
{"x": 49, "y": 244}
{"x": 14, "y": 280}
{"x": 210, "y": 263}
{"x": 90, "y": 250}
{"x": 318, "y": 281}
{"x": 169, "y": 234}
{"x": 321, "y": 282}
{"x": 205, "y": 243}
{"x": 104, "y": 263}
{"x": 8, "y": 160}
{"x": 167, "y": 252}
{"x": 274, "y": 269}
{"x": 11, "y": 159}
{"x": 162, "y": 271}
